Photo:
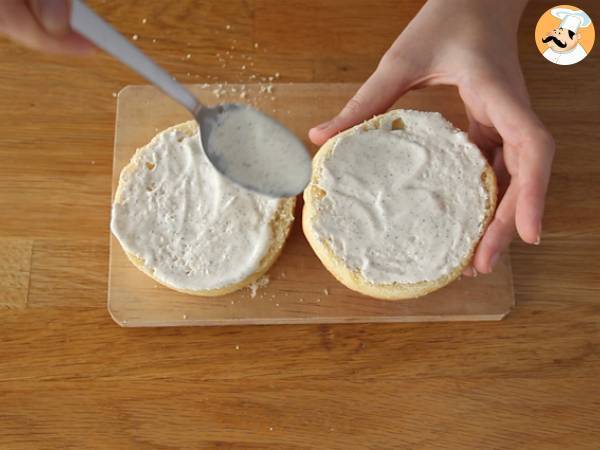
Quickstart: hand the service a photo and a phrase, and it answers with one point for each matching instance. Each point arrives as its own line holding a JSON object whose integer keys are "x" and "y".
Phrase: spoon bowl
{"x": 254, "y": 150}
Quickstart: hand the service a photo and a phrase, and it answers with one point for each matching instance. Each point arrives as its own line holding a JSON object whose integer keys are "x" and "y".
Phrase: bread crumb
{"x": 232, "y": 302}
{"x": 300, "y": 300}
{"x": 276, "y": 74}
{"x": 154, "y": 41}
{"x": 92, "y": 162}
{"x": 237, "y": 347}
{"x": 326, "y": 291}
{"x": 184, "y": 316}
{"x": 144, "y": 21}
{"x": 270, "y": 428}
{"x": 244, "y": 67}
{"x": 260, "y": 283}
{"x": 243, "y": 95}
{"x": 135, "y": 37}
{"x": 318, "y": 300}
{"x": 114, "y": 94}
{"x": 277, "y": 304}
{"x": 256, "y": 45}
{"x": 228, "y": 27}
{"x": 188, "y": 56}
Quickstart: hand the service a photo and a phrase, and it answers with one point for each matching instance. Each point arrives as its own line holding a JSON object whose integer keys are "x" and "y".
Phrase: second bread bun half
{"x": 397, "y": 205}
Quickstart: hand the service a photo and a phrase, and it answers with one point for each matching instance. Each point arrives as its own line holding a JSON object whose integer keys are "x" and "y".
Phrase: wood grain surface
{"x": 70, "y": 378}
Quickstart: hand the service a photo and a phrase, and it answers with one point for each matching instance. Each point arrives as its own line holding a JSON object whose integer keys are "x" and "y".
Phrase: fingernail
{"x": 470, "y": 272}
{"x": 539, "y": 235}
{"x": 494, "y": 260}
{"x": 323, "y": 126}
{"x": 54, "y": 15}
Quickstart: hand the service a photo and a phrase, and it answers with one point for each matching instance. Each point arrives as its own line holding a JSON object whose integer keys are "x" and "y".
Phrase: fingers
{"x": 502, "y": 175}
{"x": 535, "y": 166}
{"x": 19, "y": 23}
{"x": 499, "y": 233}
{"x": 378, "y": 93}
{"x": 53, "y": 15}
{"x": 486, "y": 138}
{"x": 526, "y": 138}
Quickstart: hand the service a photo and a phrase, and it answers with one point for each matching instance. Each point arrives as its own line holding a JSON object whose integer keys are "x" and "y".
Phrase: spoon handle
{"x": 87, "y": 23}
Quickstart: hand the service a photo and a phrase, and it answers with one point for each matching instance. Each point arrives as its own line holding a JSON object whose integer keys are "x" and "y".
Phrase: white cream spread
{"x": 402, "y": 205}
{"x": 259, "y": 153}
{"x": 192, "y": 227}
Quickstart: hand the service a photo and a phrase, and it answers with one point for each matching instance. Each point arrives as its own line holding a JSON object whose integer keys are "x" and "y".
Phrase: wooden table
{"x": 71, "y": 378}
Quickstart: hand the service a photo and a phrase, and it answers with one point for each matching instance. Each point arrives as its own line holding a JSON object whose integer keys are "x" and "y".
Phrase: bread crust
{"x": 352, "y": 278}
{"x": 281, "y": 225}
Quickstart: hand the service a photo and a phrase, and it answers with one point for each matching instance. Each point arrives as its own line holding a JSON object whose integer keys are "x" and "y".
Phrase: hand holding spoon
{"x": 243, "y": 144}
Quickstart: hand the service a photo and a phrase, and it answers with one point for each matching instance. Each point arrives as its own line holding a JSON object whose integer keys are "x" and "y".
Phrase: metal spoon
{"x": 281, "y": 173}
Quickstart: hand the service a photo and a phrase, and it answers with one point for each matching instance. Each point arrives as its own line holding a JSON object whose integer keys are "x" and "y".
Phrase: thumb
{"x": 52, "y": 15}
{"x": 378, "y": 93}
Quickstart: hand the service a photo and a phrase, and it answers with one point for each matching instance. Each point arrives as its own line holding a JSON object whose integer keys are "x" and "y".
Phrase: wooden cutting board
{"x": 300, "y": 290}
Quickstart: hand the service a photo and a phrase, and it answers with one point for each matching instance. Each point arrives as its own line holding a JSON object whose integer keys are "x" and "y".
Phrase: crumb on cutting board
{"x": 260, "y": 283}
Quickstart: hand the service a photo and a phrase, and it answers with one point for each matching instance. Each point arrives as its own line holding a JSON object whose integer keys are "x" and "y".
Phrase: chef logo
{"x": 564, "y": 35}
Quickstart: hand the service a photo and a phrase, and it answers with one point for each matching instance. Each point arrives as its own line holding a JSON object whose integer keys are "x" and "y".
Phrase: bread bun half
{"x": 187, "y": 227}
{"x": 397, "y": 205}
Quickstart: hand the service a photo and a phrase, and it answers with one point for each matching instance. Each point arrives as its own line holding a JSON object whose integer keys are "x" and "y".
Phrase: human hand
{"x": 42, "y": 25}
{"x": 470, "y": 44}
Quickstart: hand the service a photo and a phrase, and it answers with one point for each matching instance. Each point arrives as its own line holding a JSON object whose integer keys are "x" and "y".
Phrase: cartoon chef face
{"x": 561, "y": 39}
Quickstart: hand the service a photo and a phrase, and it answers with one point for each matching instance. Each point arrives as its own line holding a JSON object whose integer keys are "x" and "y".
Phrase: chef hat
{"x": 571, "y": 19}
